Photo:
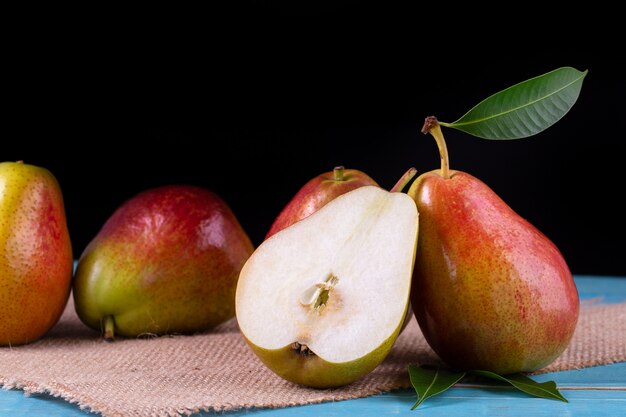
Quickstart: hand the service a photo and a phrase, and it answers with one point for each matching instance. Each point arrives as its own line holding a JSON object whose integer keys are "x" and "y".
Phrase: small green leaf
{"x": 428, "y": 382}
{"x": 524, "y": 109}
{"x": 523, "y": 383}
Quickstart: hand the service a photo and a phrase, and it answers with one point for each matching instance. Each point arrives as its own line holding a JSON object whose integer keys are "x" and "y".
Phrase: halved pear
{"x": 322, "y": 301}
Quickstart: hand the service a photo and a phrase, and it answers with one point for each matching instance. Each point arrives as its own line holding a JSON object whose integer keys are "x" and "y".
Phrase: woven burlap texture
{"x": 174, "y": 375}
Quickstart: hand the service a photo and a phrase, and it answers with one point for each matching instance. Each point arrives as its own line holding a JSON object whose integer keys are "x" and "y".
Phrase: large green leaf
{"x": 428, "y": 382}
{"x": 546, "y": 389}
{"x": 524, "y": 109}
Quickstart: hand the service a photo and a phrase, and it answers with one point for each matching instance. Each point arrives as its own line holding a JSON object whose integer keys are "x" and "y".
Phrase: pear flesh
{"x": 322, "y": 301}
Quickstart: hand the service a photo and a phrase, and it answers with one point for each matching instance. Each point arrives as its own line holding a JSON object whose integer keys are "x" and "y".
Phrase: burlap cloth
{"x": 173, "y": 375}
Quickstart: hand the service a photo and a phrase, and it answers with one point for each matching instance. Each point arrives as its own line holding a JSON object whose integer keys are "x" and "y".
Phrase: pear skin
{"x": 312, "y": 371}
{"x": 35, "y": 253}
{"x": 316, "y": 193}
{"x": 490, "y": 291}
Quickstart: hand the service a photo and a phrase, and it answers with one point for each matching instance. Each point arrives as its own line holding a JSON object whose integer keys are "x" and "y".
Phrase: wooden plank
{"x": 601, "y": 289}
{"x": 455, "y": 402}
{"x": 597, "y": 377}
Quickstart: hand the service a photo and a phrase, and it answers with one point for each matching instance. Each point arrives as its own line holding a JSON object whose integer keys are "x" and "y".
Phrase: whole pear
{"x": 316, "y": 193}
{"x": 490, "y": 291}
{"x": 35, "y": 253}
{"x": 167, "y": 261}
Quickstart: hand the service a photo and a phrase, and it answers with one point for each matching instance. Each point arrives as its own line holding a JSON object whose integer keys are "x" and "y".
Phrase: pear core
{"x": 334, "y": 285}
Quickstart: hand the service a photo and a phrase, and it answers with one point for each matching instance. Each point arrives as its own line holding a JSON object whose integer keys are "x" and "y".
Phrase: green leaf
{"x": 428, "y": 382}
{"x": 524, "y": 109}
{"x": 523, "y": 383}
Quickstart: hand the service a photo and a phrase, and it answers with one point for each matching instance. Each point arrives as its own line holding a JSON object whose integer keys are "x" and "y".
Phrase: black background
{"x": 255, "y": 101}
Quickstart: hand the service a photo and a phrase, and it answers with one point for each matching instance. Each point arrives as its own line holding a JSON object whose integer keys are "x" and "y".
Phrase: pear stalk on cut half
{"x": 322, "y": 301}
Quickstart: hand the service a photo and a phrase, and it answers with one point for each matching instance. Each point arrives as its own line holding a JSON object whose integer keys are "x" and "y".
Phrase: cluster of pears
{"x": 323, "y": 299}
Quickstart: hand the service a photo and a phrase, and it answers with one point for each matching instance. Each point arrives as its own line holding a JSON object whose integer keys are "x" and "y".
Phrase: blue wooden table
{"x": 597, "y": 391}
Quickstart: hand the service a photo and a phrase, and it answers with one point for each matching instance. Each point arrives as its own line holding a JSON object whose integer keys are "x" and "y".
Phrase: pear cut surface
{"x": 337, "y": 282}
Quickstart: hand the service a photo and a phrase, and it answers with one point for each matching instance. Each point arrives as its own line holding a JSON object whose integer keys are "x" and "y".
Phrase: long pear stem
{"x": 431, "y": 125}
{"x": 404, "y": 180}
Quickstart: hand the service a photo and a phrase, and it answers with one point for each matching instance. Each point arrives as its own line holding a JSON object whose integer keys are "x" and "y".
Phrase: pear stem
{"x": 338, "y": 173}
{"x": 404, "y": 180}
{"x": 431, "y": 125}
{"x": 109, "y": 329}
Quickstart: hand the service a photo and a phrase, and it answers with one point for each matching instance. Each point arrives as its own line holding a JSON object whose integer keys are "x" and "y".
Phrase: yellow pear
{"x": 35, "y": 253}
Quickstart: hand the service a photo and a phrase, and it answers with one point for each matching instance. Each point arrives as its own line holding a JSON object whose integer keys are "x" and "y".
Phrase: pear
{"x": 316, "y": 193}
{"x": 166, "y": 261}
{"x": 35, "y": 253}
{"x": 322, "y": 301}
{"x": 322, "y": 189}
{"x": 490, "y": 291}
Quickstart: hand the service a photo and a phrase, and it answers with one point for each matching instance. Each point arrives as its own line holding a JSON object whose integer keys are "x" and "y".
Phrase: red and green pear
{"x": 167, "y": 261}
{"x": 489, "y": 291}
{"x": 316, "y": 193}
{"x": 35, "y": 253}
